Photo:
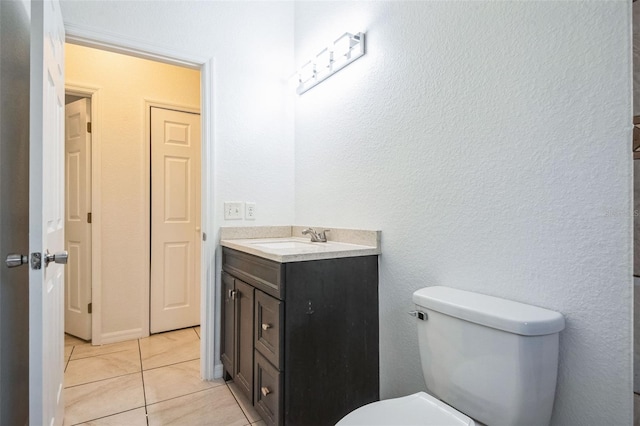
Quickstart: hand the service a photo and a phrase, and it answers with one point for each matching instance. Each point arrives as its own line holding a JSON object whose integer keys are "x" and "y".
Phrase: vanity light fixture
{"x": 346, "y": 49}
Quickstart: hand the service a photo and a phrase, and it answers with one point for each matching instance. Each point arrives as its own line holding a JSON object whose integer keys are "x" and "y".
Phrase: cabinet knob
{"x": 266, "y": 326}
{"x": 265, "y": 390}
{"x": 232, "y": 294}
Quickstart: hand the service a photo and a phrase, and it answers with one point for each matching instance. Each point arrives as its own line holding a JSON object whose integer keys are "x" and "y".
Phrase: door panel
{"x": 177, "y": 199}
{"x": 46, "y": 213}
{"x": 77, "y": 320}
{"x": 175, "y": 220}
{"x": 244, "y": 334}
{"x": 176, "y": 270}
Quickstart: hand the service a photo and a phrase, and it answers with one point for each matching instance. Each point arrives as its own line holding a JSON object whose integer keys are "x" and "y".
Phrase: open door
{"x": 15, "y": 29}
{"x": 175, "y": 220}
{"x": 77, "y": 297}
{"x": 46, "y": 215}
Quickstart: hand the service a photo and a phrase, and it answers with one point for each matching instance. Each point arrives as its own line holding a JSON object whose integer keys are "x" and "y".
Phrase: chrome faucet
{"x": 316, "y": 237}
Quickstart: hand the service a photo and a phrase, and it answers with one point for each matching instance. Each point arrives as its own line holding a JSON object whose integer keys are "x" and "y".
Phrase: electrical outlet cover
{"x": 250, "y": 211}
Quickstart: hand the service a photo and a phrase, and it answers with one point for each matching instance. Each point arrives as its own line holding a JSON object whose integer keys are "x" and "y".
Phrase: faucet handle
{"x": 322, "y": 236}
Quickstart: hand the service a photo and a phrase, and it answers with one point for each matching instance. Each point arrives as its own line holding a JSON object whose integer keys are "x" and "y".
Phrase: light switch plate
{"x": 233, "y": 210}
{"x": 250, "y": 210}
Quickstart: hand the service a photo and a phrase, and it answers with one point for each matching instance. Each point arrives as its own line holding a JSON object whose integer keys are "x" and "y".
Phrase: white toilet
{"x": 493, "y": 359}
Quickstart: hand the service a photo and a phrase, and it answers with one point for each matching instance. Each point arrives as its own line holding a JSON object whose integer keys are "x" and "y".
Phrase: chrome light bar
{"x": 346, "y": 49}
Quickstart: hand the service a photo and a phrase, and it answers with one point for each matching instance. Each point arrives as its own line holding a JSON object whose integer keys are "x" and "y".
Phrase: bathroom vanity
{"x": 300, "y": 327}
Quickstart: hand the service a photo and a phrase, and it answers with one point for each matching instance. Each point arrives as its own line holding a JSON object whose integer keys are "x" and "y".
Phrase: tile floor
{"x": 148, "y": 382}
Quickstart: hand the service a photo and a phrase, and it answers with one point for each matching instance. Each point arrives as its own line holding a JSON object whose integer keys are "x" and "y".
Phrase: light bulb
{"x": 307, "y": 72}
{"x": 342, "y": 47}
{"x": 323, "y": 62}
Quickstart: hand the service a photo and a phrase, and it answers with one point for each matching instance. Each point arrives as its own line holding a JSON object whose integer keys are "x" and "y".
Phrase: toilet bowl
{"x": 493, "y": 359}
{"x": 413, "y": 410}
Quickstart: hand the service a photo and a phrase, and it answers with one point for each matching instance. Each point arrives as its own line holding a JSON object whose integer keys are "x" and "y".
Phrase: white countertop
{"x": 295, "y": 249}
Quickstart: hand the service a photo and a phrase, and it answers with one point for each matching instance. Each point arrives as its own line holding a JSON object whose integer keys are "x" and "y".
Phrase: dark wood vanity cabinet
{"x": 314, "y": 335}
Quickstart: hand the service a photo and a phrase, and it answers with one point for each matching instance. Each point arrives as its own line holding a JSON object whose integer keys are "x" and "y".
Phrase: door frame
{"x": 209, "y": 369}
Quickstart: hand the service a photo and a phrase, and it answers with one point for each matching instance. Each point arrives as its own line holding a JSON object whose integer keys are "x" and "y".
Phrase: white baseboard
{"x": 217, "y": 371}
{"x": 121, "y": 336}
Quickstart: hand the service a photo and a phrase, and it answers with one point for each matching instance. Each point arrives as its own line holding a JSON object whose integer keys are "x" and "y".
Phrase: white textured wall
{"x": 489, "y": 141}
{"x": 251, "y": 43}
{"x": 124, "y": 84}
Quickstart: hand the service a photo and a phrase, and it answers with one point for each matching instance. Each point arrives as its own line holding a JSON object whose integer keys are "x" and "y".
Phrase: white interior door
{"x": 77, "y": 277}
{"x": 46, "y": 213}
{"x": 175, "y": 220}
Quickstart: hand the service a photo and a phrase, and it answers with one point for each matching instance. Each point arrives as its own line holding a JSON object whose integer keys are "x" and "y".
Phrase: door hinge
{"x": 89, "y": 217}
{"x": 90, "y": 307}
{"x": 88, "y": 127}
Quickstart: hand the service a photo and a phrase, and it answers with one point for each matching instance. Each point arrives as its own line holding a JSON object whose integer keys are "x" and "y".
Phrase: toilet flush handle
{"x": 420, "y": 315}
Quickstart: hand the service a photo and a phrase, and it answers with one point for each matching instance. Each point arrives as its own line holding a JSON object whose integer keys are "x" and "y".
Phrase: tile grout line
{"x": 173, "y": 363}
{"x": 100, "y": 354}
{"x": 187, "y": 394}
{"x": 237, "y": 402}
{"x": 105, "y": 416}
{"x": 101, "y": 380}
{"x": 73, "y": 348}
{"x": 144, "y": 392}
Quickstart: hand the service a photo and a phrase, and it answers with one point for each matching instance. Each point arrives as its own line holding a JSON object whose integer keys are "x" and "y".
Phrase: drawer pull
{"x": 265, "y": 391}
{"x": 266, "y": 326}
{"x": 232, "y": 294}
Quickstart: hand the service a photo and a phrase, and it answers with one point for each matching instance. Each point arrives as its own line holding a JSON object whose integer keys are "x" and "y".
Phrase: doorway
{"x": 126, "y": 88}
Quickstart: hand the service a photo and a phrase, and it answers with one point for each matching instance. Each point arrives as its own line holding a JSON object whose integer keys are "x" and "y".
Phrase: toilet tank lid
{"x": 494, "y": 312}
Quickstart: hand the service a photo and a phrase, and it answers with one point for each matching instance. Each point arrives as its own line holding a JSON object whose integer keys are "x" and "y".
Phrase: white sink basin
{"x": 295, "y": 249}
{"x": 285, "y": 245}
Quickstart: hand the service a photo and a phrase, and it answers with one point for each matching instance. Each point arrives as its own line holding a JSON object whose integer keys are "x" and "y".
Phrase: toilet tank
{"x": 493, "y": 359}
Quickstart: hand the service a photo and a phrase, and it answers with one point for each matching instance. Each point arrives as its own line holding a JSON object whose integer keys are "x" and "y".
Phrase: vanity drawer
{"x": 269, "y": 313}
{"x": 263, "y": 274}
{"x": 267, "y": 388}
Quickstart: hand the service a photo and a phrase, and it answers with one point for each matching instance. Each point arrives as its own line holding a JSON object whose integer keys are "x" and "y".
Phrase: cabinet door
{"x": 244, "y": 335}
{"x": 228, "y": 341}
